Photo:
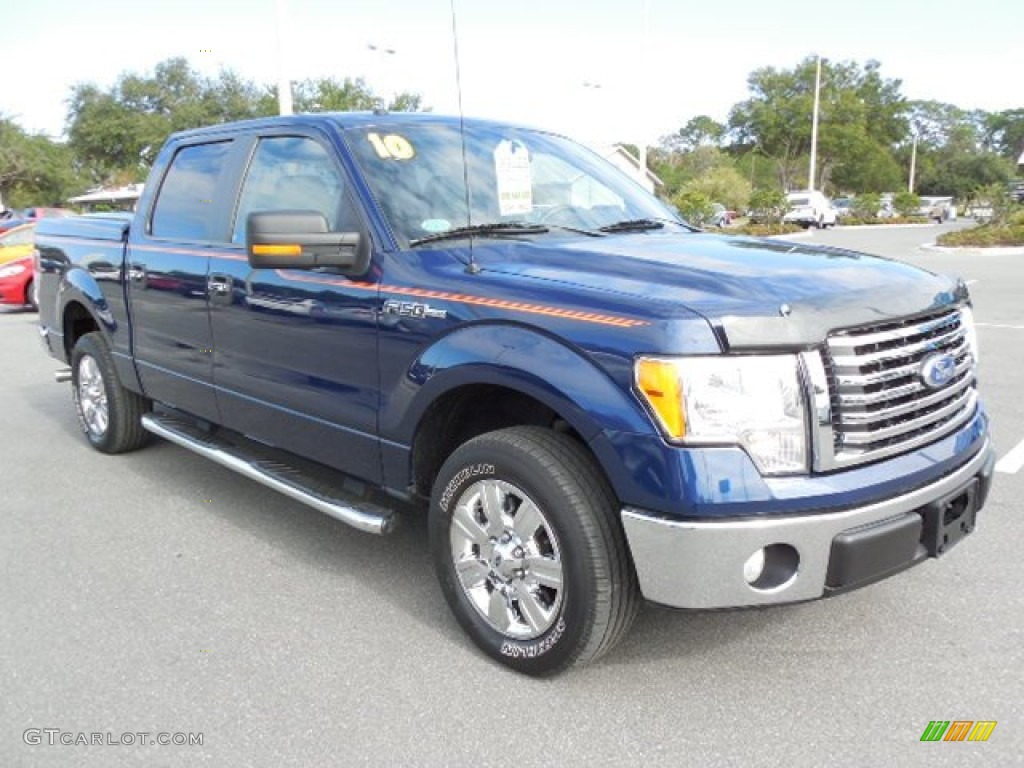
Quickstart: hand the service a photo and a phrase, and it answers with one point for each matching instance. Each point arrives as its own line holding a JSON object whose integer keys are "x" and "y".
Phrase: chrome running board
{"x": 291, "y": 481}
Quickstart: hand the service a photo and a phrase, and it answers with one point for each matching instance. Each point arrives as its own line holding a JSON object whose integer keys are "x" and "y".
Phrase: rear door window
{"x": 186, "y": 208}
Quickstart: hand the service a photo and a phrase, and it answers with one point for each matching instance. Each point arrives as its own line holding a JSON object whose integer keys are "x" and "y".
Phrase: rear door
{"x": 295, "y": 351}
{"x": 167, "y": 275}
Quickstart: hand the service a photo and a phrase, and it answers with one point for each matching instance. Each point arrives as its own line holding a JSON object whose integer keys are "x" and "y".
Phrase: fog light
{"x": 772, "y": 568}
{"x": 754, "y": 567}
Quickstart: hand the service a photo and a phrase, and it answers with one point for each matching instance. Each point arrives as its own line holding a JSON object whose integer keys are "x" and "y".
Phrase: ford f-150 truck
{"x": 593, "y": 401}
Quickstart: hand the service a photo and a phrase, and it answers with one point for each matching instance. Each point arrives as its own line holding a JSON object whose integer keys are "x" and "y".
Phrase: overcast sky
{"x": 526, "y": 60}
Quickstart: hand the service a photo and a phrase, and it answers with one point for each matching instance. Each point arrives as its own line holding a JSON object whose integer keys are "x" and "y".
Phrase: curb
{"x": 976, "y": 249}
{"x": 883, "y": 227}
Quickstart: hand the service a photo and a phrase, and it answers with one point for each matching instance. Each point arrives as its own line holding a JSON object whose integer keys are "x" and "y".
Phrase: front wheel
{"x": 529, "y": 550}
{"x": 109, "y": 414}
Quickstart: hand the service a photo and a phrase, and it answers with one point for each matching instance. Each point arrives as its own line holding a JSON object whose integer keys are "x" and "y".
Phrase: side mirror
{"x": 300, "y": 240}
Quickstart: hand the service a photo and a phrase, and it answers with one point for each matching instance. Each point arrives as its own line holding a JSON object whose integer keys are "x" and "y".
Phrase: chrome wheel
{"x": 92, "y": 397}
{"x": 507, "y": 559}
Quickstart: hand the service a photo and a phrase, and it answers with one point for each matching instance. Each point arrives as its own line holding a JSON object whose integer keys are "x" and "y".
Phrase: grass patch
{"x": 873, "y": 220}
{"x": 762, "y": 230}
{"x": 985, "y": 236}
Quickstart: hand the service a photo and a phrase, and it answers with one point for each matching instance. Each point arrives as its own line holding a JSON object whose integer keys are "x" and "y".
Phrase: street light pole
{"x": 814, "y": 128}
{"x": 913, "y": 165}
{"x": 284, "y": 84}
{"x": 644, "y": 95}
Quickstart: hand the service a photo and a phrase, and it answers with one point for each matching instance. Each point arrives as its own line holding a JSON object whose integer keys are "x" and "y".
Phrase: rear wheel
{"x": 32, "y": 296}
{"x": 109, "y": 414}
{"x": 529, "y": 550}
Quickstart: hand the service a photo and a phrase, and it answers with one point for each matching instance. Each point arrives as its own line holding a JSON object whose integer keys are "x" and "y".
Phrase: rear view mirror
{"x": 301, "y": 240}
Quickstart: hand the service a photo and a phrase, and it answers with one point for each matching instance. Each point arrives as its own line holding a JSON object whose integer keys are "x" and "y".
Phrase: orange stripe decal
{"x": 479, "y": 301}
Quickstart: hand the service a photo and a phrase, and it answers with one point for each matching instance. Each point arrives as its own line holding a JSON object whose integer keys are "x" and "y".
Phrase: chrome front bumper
{"x": 699, "y": 564}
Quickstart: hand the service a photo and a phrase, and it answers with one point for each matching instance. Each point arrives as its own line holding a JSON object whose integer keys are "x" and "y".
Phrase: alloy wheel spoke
{"x": 472, "y": 572}
{"x": 546, "y": 570}
{"x": 497, "y": 611}
{"x": 527, "y": 520}
{"x": 531, "y": 609}
{"x": 466, "y": 524}
{"x": 492, "y": 498}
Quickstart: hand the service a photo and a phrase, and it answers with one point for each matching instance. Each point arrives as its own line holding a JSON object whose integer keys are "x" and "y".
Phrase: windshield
{"x": 415, "y": 171}
{"x": 799, "y": 201}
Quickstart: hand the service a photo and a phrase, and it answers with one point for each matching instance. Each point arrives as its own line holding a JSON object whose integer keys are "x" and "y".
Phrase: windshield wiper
{"x": 495, "y": 228}
{"x": 632, "y": 225}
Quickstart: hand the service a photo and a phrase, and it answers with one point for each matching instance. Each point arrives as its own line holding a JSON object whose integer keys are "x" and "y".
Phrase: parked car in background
{"x": 843, "y": 206}
{"x": 17, "y": 284}
{"x": 938, "y": 208}
{"x": 721, "y": 216}
{"x": 33, "y": 214}
{"x": 12, "y": 218}
{"x": 810, "y": 208}
{"x": 17, "y": 243}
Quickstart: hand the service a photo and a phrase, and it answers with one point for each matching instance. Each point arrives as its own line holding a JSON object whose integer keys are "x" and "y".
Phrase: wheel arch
{"x": 459, "y": 388}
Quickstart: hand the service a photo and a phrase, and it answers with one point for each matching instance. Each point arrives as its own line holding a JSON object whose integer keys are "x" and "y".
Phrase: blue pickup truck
{"x": 594, "y": 402}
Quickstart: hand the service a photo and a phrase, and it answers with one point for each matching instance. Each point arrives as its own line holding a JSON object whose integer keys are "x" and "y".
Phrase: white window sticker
{"x": 515, "y": 182}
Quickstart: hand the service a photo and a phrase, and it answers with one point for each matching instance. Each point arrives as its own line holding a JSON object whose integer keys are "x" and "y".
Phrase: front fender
{"x": 523, "y": 359}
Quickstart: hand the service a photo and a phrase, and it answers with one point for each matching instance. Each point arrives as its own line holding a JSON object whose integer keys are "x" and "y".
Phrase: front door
{"x": 295, "y": 351}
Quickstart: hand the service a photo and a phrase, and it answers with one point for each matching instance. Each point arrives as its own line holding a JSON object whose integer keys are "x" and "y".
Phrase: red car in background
{"x": 17, "y": 283}
{"x": 17, "y": 266}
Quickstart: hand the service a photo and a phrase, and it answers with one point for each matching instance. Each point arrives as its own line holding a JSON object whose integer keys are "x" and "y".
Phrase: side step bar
{"x": 290, "y": 481}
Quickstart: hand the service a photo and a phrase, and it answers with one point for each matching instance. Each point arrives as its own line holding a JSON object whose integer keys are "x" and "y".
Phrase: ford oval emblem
{"x": 938, "y": 370}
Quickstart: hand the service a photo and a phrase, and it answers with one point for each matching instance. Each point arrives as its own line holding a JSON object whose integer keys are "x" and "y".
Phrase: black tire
{"x": 599, "y": 597}
{"x": 30, "y": 296}
{"x": 123, "y": 430}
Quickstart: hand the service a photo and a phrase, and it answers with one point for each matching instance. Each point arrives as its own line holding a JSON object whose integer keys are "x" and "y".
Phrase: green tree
{"x": 700, "y": 131}
{"x": 116, "y": 132}
{"x": 34, "y": 169}
{"x": 861, "y": 116}
{"x": 724, "y": 185}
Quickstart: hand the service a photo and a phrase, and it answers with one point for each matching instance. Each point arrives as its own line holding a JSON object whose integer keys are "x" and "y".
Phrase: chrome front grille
{"x": 880, "y": 405}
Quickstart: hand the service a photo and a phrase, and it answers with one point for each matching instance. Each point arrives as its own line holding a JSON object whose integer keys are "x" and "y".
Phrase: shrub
{"x": 867, "y": 205}
{"x": 767, "y": 205}
{"x": 695, "y": 207}
{"x": 906, "y": 203}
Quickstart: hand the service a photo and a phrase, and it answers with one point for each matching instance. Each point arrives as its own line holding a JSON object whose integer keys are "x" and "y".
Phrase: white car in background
{"x": 810, "y": 209}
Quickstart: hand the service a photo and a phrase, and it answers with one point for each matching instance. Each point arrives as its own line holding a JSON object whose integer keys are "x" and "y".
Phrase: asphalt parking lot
{"x": 157, "y": 592}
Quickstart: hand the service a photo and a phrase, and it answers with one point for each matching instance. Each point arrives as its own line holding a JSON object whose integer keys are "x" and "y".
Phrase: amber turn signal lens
{"x": 277, "y": 250}
{"x": 658, "y": 381}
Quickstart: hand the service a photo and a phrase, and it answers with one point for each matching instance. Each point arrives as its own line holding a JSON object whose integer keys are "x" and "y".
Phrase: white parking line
{"x": 1011, "y": 463}
{"x": 999, "y": 325}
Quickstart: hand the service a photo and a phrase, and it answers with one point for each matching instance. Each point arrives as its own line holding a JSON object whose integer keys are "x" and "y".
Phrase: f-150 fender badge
{"x": 412, "y": 309}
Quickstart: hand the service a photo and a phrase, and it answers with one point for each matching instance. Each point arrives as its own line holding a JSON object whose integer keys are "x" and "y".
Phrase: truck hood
{"x": 758, "y": 293}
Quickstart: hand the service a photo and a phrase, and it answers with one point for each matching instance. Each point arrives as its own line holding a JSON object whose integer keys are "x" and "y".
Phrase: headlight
{"x": 967, "y": 321}
{"x": 11, "y": 271}
{"x": 755, "y": 402}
